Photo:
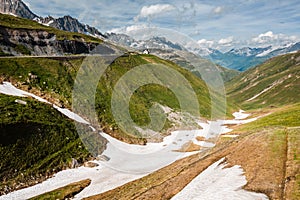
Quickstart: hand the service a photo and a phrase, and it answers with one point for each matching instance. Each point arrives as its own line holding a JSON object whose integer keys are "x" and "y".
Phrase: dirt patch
{"x": 189, "y": 147}
{"x": 262, "y": 163}
{"x": 200, "y": 138}
{"x": 292, "y": 175}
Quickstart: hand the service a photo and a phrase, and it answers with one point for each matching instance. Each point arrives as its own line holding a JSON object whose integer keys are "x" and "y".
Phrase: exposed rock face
{"x": 16, "y": 7}
{"x": 39, "y": 42}
{"x": 68, "y": 23}
{"x": 90, "y": 164}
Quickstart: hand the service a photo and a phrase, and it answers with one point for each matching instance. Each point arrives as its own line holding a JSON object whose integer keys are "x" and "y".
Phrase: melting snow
{"x": 240, "y": 115}
{"x": 268, "y": 88}
{"x": 127, "y": 161}
{"x": 8, "y": 89}
{"x": 218, "y": 182}
{"x": 49, "y": 23}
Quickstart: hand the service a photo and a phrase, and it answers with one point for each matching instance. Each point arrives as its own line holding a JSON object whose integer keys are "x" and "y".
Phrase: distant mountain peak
{"x": 16, "y": 7}
{"x": 66, "y": 23}
{"x": 151, "y": 43}
{"x": 243, "y": 58}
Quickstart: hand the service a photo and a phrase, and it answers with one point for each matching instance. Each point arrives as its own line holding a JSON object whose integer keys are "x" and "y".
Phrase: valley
{"x": 147, "y": 113}
{"x": 116, "y": 151}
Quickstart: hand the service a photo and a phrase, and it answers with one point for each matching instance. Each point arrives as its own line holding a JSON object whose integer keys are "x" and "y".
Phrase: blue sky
{"x": 219, "y": 24}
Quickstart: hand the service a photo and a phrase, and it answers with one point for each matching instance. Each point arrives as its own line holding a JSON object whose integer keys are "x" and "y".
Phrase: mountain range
{"x": 66, "y": 23}
{"x": 255, "y": 154}
{"x": 244, "y": 58}
{"x": 238, "y": 58}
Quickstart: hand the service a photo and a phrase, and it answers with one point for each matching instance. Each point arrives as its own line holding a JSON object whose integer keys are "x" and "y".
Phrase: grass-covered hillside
{"x": 36, "y": 141}
{"x": 273, "y": 83}
{"x": 54, "y": 78}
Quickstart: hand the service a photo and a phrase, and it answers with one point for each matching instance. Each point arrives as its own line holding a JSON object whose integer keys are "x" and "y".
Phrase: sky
{"x": 217, "y": 24}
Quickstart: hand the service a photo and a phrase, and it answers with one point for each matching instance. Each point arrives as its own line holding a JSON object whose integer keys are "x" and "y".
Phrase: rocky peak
{"x": 66, "y": 23}
{"x": 16, "y": 7}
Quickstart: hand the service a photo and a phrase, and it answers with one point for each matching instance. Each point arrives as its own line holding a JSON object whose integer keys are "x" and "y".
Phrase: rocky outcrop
{"x": 16, "y": 7}
{"x": 40, "y": 42}
{"x": 68, "y": 23}
{"x": 90, "y": 164}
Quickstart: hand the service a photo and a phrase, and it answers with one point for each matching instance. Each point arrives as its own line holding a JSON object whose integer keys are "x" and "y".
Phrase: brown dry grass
{"x": 261, "y": 154}
{"x": 292, "y": 176}
{"x": 189, "y": 147}
{"x": 65, "y": 192}
{"x": 200, "y": 138}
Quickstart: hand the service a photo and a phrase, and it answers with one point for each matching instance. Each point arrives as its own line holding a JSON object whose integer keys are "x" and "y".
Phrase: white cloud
{"x": 269, "y": 38}
{"x": 129, "y": 29}
{"x": 206, "y": 43}
{"x": 154, "y": 10}
{"x": 226, "y": 41}
{"x": 218, "y": 10}
{"x": 265, "y": 37}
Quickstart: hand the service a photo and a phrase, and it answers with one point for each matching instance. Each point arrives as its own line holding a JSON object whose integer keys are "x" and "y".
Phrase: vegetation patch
{"x": 36, "y": 141}
{"x": 280, "y": 74}
{"x": 66, "y": 192}
{"x": 53, "y": 79}
{"x": 22, "y": 49}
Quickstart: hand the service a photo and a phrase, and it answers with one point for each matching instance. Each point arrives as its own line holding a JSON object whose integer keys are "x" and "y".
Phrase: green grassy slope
{"x": 36, "y": 140}
{"x": 280, "y": 74}
{"x": 13, "y": 22}
{"x": 55, "y": 78}
{"x": 146, "y": 95}
{"x": 227, "y": 74}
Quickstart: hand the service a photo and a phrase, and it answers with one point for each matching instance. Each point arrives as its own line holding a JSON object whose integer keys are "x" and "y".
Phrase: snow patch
{"x": 240, "y": 115}
{"x": 266, "y": 52}
{"x": 71, "y": 115}
{"x": 218, "y": 182}
{"x": 128, "y": 162}
{"x": 8, "y": 89}
{"x": 49, "y": 23}
{"x": 267, "y": 89}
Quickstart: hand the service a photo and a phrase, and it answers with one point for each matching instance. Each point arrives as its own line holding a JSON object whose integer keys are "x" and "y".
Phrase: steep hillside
{"x": 26, "y": 37}
{"x": 54, "y": 78}
{"x": 165, "y": 49}
{"x": 179, "y": 57}
{"x": 36, "y": 141}
{"x": 274, "y": 83}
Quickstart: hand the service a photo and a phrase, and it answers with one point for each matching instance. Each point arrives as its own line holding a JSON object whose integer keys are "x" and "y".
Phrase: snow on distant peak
{"x": 49, "y": 23}
{"x": 274, "y": 48}
{"x": 269, "y": 50}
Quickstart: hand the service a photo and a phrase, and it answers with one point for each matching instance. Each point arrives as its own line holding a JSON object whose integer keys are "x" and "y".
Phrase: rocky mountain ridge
{"x": 244, "y": 58}
{"x": 239, "y": 59}
{"x": 16, "y": 7}
{"x": 66, "y": 23}
{"x": 21, "y": 36}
